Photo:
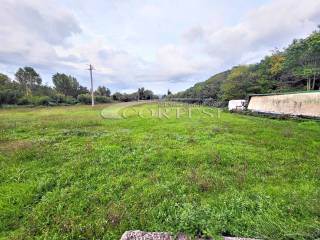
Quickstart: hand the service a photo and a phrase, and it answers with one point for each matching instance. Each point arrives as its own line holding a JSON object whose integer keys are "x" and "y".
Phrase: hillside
{"x": 297, "y": 67}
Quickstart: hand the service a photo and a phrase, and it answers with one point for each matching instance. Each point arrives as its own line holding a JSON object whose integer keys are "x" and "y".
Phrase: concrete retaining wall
{"x": 303, "y": 104}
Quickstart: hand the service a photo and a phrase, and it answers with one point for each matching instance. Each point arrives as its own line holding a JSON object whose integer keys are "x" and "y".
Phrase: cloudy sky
{"x": 158, "y": 44}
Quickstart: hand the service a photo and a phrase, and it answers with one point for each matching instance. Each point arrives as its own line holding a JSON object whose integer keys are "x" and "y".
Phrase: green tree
{"x": 4, "y": 80}
{"x": 28, "y": 78}
{"x": 67, "y": 85}
{"x": 237, "y": 83}
{"x": 82, "y": 90}
{"x": 117, "y": 96}
{"x": 43, "y": 90}
{"x": 103, "y": 91}
{"x": 140, "y": 93}
{"x": 310, "y": 60}
{"x": 276, "y": 61}
{"x": 148, "y": 94}
{"x": 10, "y": 91}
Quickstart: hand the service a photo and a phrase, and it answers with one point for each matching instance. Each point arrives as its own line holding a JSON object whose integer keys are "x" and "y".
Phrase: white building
{"x": 237, "y": 105}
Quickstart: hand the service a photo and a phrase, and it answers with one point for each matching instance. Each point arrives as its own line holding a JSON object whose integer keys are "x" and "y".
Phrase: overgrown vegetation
{"x": 67, "y": 173}
{"x": 295, "y": 68}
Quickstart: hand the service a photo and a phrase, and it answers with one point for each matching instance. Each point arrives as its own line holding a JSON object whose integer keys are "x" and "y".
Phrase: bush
{"x": 70, "y": 100}
{"x": 102, "y": 99}
{"x": 14, "y": 97}
{"x": 9, "y": 96}
{"x": 42, "y": 100}
{"x": 46, "y": 101}
{"x": 58, "y": 98}
{"x": 84, "y": 98}
{"x": 61, "y": 99}
{"x": 34, "y": 100}
{"x": 24, "y": 101}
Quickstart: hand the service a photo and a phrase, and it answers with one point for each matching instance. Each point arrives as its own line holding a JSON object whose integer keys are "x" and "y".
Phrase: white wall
{"x": 305, "y": 104}
{"x": 236, "y": 105}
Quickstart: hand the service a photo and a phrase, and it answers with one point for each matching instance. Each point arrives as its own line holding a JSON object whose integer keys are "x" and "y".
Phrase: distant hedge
{"x": 86, "y": 99}
{"x": 27, "y": 89}
{"x": 12, "y": 97}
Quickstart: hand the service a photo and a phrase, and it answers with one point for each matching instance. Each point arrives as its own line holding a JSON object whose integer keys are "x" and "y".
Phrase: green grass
{"x": 68, "y": 173}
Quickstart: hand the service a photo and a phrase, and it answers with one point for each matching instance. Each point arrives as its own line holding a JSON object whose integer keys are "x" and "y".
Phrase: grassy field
{"x": 68, "y": 173}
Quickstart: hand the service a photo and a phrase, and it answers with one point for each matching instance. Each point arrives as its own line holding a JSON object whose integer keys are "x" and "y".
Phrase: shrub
{"x": 42, "y": 100}
{"x": 102, "y": 99}
{"x": 9, "y": 96}
{"x": 24, "y": 101}
{"x": 70, "y": 100}
{"x": 84, "y": 98}
{"x": 61, "y": 99}
{"x": 58, "y": 98}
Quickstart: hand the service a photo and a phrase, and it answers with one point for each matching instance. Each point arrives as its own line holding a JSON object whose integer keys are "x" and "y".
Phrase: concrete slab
{"x": 140, "y": 235}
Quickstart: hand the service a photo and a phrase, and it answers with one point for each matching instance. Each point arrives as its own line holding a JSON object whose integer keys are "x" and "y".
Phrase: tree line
{"x": 27, "y": 89}
{"x": 296, "y": 68}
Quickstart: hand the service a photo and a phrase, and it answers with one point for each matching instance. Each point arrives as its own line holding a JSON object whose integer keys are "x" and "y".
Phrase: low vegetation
{"x": 68, "y": 173}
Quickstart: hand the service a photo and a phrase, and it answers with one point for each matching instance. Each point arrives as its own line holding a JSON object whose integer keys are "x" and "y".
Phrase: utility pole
{"x": 92, "y": 94}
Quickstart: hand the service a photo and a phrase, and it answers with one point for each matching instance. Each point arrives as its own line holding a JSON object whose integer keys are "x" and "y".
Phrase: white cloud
{"x": 193, "y": 34}
{"x": 30, "y": 29}
{"x": 269, "y": 26}
{"x": 174, "y": 63}
{"x": 149, "y": 10}
{"x": 160, "y": 45}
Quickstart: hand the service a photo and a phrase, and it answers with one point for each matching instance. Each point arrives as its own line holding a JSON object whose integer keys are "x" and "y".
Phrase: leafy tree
{"x": 9, "y": 96}
{"x": 311, "y": 59}
{"x": 140, "y": 93}
{"x": 67, "y": 85}
{"x": 82, "y": 90}
{"x": 43, "y": 90}
{"x": 276, "y": 64}
{"x": 235, "y": 87}
{"x": 28, "y": 78}
{"x": 144, "y": 94}
{"x": 148, "y": 94}
{"x": 117, "y": 96}
{"x": 103, "y": 91}
{"x": 4, "y": 80}
{"x": 302, "y": 61}
{"x": 10, "y": 91}
{"x": 212, "y": 87}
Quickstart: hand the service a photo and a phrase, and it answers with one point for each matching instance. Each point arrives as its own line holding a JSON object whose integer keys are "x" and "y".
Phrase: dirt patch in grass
{"x": 17, "y": 145}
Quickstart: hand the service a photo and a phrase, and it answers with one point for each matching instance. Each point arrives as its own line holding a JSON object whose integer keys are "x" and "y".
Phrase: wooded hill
{"x": 295, "y": 68}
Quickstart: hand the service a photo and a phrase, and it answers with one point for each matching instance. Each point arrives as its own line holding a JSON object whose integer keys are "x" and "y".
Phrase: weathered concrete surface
{"x": 298, "y": 104}
{"x": 237, "y": 105}
{"x": 139, "y": 235}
